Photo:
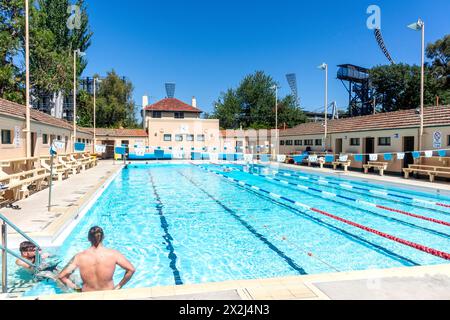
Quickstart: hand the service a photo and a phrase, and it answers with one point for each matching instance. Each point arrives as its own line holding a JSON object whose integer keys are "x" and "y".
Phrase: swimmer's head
{"x": 96, "y": 236}
{"x": 27, "y": 249}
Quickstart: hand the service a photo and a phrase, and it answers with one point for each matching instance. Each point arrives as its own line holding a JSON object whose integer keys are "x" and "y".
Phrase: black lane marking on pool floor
{"x": 249, "y": 227}
{"x": 167, "y": 236}
{"x": 366, "y": 243}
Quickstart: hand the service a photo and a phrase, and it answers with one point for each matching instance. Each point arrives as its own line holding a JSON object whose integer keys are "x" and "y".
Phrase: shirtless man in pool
{"x": 97, "y": 265}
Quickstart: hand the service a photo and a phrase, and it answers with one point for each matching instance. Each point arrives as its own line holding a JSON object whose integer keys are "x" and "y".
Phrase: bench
{"x": 431, "y": 171}
{"x": 19, "y": 183}
{"x": 345, "y": 164}
{"x": 59, "y": 171}
{"x": 74, "y": 166}
{"x": 380, "y": 166}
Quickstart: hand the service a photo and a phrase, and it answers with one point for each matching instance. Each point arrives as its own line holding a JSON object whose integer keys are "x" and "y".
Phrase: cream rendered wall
{"x": 157, "y": 128}
{"x": 12, "y": 151}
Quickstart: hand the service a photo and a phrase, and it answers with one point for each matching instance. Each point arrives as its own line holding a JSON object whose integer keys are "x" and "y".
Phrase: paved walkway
{"x": 34, "y": 218}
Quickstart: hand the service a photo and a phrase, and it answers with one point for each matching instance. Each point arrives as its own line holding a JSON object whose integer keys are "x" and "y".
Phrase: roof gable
{"x": 172, "y": 105}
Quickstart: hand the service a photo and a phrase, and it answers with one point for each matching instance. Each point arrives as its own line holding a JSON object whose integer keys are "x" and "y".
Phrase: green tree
{"x": 252, "y": 105}
{"x": 398, "y": 86}
{"x": 11, "y": 30}
{"x": 115, "y": 107}
{"x": 439, "y": 54}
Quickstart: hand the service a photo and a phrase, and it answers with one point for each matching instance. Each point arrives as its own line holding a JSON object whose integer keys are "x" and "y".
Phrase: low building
{"x": 173, "y": 124}
{"x": 380, "y": 133}
{"x": 44, "y": 129}
{"x": 118, "y": 137}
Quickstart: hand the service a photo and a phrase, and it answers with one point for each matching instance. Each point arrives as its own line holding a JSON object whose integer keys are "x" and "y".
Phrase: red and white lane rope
{"x": 434, "y": 252}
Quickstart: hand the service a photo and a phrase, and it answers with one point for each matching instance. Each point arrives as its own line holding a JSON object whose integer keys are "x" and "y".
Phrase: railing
{"x": 6, "y": 251}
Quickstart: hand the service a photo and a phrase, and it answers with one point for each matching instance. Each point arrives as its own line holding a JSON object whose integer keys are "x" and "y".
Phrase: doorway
{"x": 369, "y": 147}
{"x": 338, "y": 146}
{"x": 33, "y": 143}
{"x": 408, "y": 146}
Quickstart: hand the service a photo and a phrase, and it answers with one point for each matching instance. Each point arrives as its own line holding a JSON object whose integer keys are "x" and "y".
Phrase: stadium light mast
{"x": 420, "y": 26}
{"x": 324, "y": 67}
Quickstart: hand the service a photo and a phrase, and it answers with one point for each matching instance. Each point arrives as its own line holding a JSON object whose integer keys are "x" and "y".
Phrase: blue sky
{"x": 206, "y": 47}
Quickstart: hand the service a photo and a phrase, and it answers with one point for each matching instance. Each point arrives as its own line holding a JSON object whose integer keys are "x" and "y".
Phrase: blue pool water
{"x": 180, "y": 224}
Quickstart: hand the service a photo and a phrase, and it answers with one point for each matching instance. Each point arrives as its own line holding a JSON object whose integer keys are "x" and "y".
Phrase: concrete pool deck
{"x": 74, "y": 194}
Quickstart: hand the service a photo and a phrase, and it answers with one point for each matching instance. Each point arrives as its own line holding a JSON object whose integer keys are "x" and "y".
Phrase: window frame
{"x": 355, "y": 144}
{"x": 308, "y": 142}
{"x": 317, "y": 144}
{"x": 10, "y": 136}
{"x": 298, "y": 142}
{"x": 282, "y": 142}
{"x": 289, "y": 142}
{"x": 177, "y": 136}
{"x": 202, "y": 139}
{"x": 178, "y": 115}
{"x": 388, "y": 142}
{"x": 45, "y": 140}
{"x": 188, "y": 136}
{"x": 154, "y": 113}
{"x": 167, "y": 135}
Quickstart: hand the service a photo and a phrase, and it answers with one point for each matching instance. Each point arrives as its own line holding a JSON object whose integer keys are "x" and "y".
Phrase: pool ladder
{"x": 5, "y": 251}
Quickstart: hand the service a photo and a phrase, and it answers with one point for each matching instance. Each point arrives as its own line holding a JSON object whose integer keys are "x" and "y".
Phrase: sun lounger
{"x": 18, "y": 183}
{"x": 74, "y": 166}
{"x": 60, "y": 172}
{"x": 380, "y": 166}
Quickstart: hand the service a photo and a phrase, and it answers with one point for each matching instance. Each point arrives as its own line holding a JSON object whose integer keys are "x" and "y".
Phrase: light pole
{"x": 27, "y": 82}
{"x": 76, "y": 53}
{"x": 96, "y": 80}
{"x": 324, "y": 66}
{"x": 420, "y": 26}
{"x": 277, "y": 151}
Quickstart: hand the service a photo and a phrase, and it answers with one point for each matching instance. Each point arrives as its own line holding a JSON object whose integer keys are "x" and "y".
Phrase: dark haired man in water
{"x": 97, "y": 265}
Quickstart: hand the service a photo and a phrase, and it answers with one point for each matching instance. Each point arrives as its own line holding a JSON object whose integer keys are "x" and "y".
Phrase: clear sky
{"x": 206, "y": 47}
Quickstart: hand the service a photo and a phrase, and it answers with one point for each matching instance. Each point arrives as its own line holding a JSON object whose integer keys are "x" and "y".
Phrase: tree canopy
{"x": 51, "y": 47}
{"x": 252, "y": 105}
{"x": 398, "y": 85}
{"x": 114, "y": 104}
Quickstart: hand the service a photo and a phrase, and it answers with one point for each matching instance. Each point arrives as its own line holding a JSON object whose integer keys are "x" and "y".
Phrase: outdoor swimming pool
{"x": 183, "y": 224}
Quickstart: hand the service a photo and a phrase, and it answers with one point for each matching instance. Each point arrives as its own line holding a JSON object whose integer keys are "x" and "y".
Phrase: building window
{"x": 289, "y": 142}
{"x": 167, "y": 137}
{"x": 448, "y": 140}
{"x": 45, "y": 138}
{"x": 179, "y": 115}
{"x": 190, "y": 137}
{"x": 200, "y": 137}
{"x": 6, "y": 137}
{"x": 178, "y": 137}
{"x": 156, "y": 114}
{"x": 318, "y": 142}
{"x": 281, "y": 142}
{"x": 354, "y": 141}
{"x": 309, "y": 142}
{"x": 384, "y": 141}
{"x": 298, "y": 142}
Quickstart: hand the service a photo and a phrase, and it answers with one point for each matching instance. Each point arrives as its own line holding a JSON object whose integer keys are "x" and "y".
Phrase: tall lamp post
{"x": 27, "y": 81}
{"x": 324, "y": 67}
{"x": 420, "y": 26}
{"x": 96, "y": 80}
{"x": 76, "y": 53}
{"x": 277, "y": 151}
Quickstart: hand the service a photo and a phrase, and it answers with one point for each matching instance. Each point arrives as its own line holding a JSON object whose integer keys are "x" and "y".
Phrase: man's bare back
{"x": 97, "y": 265}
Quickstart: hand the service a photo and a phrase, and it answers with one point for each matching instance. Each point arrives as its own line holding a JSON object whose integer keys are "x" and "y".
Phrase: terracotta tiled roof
{"x": 172, "y": 104}
{"x": 19, "y": 111}
{"x": 120, "y": 132}
{"x": 433, "y": 116}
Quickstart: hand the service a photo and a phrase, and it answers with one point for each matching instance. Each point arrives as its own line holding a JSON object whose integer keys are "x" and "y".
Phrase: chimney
{"x": 144, "y": 101}
{"x": 194, "y": 102}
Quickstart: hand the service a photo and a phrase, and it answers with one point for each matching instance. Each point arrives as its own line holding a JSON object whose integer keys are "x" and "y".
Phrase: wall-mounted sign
{"x": 17, "y": 131}
{"x": 437, "y": 139}
{"x": 396, "y": 136}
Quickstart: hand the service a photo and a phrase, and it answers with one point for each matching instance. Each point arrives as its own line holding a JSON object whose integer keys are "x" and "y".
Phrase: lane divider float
{"x": 374, "y": 205}
{"x": 434, "y": 252}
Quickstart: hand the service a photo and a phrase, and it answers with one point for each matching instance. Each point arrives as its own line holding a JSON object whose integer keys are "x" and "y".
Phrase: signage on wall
{"x": 396, "y": 136}
{"x": 437, "y": 139}
{"x": 17, "y": 131}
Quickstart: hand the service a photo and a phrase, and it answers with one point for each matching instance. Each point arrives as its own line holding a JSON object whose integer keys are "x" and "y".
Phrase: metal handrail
{"x": 5, "y": 251}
